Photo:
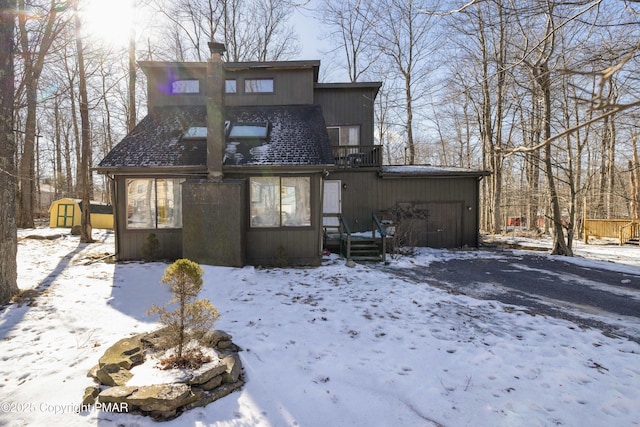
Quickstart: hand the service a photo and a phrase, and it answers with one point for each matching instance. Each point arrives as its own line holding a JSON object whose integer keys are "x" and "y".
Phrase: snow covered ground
{"x": 328, "y": 346}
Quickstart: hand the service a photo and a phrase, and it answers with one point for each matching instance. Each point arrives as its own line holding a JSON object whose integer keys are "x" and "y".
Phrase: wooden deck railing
{"x": 630, "y": 232}
{"x": 345, "y": 243}
{"x": 382, "y": 231}
{"x": 357, "y": 156}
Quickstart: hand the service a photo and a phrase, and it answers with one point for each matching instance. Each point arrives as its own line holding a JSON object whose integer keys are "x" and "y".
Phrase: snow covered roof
{"x": 422, "y": 170}
{"x": 297, "y": 136}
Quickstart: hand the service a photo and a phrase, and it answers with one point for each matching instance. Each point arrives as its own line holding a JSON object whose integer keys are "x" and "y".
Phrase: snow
{"x": 322, "y": 346}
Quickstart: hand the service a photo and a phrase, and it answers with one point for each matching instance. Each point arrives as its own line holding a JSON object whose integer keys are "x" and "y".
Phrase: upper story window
{"x": 344, "y": 135}
{"x": 185, "y": 86}
{"x": 258, "y": 85}
{"x": 230, "y": 86}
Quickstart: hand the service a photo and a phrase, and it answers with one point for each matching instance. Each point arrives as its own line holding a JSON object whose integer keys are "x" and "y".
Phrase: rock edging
{"x": 163, "y": 401}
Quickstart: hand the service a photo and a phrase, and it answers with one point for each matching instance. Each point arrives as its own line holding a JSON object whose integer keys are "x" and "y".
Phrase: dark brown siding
{"x": 159, "y": 81}
{"x": 442, "y": 197}
{"x": 291, "y": 87}
{"x": 348, "y": 107}
{"x": 301, "y": 247}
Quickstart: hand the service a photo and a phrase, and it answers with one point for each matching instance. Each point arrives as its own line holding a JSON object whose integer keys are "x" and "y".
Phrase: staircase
{"x": 630, "y": 233}
{"x": 361, "y": 248}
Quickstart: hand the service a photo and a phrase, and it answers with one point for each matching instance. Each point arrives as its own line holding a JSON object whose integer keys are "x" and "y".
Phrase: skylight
{"x": 195, "y": 132}
{"x": 249, "y": 130}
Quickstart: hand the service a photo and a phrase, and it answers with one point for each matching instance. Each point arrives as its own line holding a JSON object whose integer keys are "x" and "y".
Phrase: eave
{"x": 396, "y": 172}
{"x": 155, "y": 171}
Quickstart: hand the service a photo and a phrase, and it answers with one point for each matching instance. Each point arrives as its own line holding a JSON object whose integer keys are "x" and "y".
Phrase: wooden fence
{"x": 601, "y": 228}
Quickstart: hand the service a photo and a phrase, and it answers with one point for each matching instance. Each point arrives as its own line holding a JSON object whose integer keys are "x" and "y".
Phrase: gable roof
{"x": 297, "y": 136}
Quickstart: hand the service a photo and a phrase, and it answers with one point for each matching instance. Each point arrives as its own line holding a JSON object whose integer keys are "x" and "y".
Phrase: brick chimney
{"x": 215, "y": 112}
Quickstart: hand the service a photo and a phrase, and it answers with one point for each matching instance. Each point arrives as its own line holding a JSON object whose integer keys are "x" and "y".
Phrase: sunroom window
{"x": 280, "y": 202}
{"x": 154, "y": 203}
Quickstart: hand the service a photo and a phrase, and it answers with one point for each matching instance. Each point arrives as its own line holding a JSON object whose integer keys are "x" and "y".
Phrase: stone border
{"x": 163, "y": 402}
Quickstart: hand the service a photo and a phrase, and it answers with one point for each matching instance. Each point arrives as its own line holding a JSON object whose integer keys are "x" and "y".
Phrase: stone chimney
{"x": 215, "y": 112}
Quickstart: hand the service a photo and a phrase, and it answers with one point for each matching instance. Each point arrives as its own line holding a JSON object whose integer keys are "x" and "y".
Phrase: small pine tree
{"x": 150, "y": 248}
{"x": 192, "y": 317}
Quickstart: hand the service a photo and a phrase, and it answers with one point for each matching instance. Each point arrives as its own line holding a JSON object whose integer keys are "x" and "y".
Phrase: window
{"x": 258, "y": 85}
{"x": 185, "y": 86}
{"x": 154, "y": 203}
{"x": 280, "y": 202}
{"x": 249, "y": 130}
{"x": 344, "y": 135}
{"x": 230, "y": 86}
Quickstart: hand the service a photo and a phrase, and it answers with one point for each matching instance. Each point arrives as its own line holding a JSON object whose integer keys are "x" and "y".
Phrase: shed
{"x": 66, "y": 213}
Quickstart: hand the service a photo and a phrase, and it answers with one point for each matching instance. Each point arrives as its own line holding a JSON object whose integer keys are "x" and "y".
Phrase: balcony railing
{"x": 357, "y": 156}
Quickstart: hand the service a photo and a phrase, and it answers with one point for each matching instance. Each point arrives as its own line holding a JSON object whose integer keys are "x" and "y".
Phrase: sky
{"x": 330, "y": 345}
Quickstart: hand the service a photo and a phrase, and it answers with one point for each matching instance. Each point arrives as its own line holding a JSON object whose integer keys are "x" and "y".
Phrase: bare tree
{"x": 252, "y": 30}
{"x": 350, "y": 31}
{"x": 405, "y": 37}
{"x": 8, "y": 236}
{"x": 131, "y": 117}
{"x": 85, "y": 227}
{"x": 37, "y": 33}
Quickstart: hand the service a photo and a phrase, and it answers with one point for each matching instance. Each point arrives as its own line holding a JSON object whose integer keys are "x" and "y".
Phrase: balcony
{"x": 357, "y": 156}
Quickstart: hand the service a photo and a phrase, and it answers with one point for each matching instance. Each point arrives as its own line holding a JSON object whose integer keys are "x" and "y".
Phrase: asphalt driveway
{"x": 587, "y": 295}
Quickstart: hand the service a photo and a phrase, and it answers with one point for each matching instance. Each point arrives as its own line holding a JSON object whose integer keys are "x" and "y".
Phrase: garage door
{"x": 435, "y": 224}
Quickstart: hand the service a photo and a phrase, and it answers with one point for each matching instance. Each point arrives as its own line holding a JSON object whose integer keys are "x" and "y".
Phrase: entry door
{"x": 331, "y": 203}
{"x": 65, "y": 215}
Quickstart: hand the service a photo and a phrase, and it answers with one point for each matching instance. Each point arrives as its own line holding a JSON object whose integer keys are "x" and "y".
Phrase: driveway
{"x": 586, "y": 293}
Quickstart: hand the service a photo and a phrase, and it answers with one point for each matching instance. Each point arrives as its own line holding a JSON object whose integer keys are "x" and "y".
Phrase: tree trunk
{"x": 635, "y": 174}
{"x": 85, "y": 227}
{"x": 59, "y": 178}
{"x": 26, "y": 195}
{"x": 560, "y": 246}
{"x": 8, "y": 230}
{"x": 67, "y": 160}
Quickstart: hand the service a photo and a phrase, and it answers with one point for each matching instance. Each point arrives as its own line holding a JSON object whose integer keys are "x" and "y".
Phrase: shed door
{"x": 65, "y": 215}
{"x": 435, "y": 224}
{"x": 332, "y": 202}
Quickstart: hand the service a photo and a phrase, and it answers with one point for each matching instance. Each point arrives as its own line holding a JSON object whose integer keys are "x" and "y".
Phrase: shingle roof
{"x": 297, "y": 136}
{"x": 157, "y": 141}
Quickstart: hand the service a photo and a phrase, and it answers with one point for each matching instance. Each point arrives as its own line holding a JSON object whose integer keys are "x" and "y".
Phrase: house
{"x": 251, "y": 162}
{"x": 67, "y": 212}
